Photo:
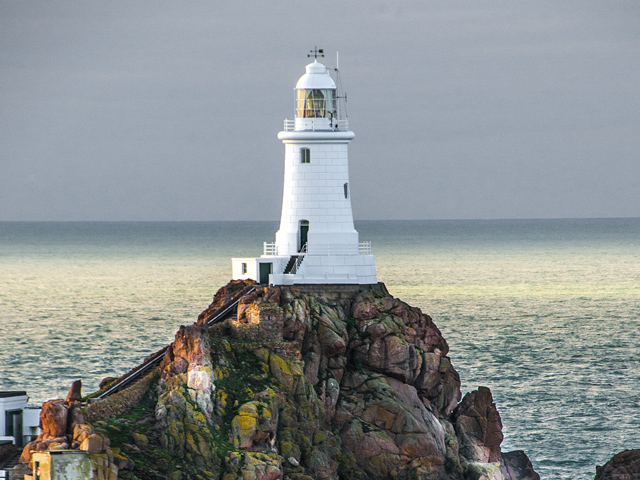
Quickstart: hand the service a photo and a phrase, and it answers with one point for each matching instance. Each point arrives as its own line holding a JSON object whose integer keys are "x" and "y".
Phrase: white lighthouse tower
{"x": 317, "y": 242}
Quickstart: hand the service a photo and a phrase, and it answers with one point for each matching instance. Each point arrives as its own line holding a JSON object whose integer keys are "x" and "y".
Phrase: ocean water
{"x": 544, "y": 312}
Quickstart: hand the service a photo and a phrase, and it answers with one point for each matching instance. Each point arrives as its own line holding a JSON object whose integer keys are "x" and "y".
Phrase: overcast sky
{"x": 158, "y": 110}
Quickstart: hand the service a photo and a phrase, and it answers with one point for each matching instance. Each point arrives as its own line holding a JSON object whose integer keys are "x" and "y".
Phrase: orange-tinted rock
{"x": 53, "y": 418}
{"x": 81, "y": 432}
{"x": 26, "y": 451}
{"x": 93, "y": 444}
{"x": 191, "y": 344}
{"x": 75, "y": 392}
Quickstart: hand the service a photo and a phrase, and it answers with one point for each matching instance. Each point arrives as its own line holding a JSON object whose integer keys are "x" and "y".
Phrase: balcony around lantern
{"x": 316, "y": 125}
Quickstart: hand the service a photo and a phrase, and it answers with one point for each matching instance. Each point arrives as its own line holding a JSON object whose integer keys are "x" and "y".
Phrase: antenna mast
{"x": 341, "y": 95}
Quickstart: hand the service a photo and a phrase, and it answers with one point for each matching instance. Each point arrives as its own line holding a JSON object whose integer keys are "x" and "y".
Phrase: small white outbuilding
{"x": 18, "y": 421}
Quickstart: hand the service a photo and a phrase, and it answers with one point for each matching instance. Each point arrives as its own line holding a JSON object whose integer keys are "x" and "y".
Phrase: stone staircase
{"x": 8, "y": 464}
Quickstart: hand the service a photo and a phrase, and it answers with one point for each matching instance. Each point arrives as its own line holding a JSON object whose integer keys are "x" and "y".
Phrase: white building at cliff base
{"x": 317, "y": 242}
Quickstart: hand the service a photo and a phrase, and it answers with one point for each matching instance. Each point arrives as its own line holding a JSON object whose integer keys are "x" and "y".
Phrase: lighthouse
{"x": 316, "y": 242}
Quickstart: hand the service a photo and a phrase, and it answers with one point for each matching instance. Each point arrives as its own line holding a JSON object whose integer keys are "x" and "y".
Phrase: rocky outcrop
{"x": 57, "y": 418}
{"x": 478, "y": 427}
{"x": 622, "y": 466}
{"x": 517, "y": 466}
{"x": 304, "y": 383}
{"x": 331, "y": 384}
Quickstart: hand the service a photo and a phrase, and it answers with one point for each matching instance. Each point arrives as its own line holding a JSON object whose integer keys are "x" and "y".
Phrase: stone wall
{"x": 258, "y": 322}
{"x": 122, "y": 402}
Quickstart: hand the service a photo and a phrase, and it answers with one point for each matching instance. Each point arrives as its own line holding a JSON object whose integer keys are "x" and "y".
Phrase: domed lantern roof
{"x": 316, "y": 99}
{"x": 316, "y": 78}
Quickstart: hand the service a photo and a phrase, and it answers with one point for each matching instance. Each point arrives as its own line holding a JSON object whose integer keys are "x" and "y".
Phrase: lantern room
{"x": 315, "y": 103}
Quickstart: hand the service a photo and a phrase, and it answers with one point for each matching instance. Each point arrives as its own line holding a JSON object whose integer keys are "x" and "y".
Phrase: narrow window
{"x": 244, "y": 268}
{"x": 305, "y": 155}
{"x": 346, "y": 190}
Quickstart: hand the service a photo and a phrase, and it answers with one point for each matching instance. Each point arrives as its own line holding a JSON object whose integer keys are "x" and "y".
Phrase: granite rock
{"x": 479, "y": 427}
{"x": 622, "y": 466}
{"x": 517, "y": 466}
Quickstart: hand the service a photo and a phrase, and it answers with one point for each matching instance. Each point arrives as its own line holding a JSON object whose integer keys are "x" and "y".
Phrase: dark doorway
{"x": 265, "y": 271}
{"x": 13, "y": 425}
{"x": 304, "y": 235}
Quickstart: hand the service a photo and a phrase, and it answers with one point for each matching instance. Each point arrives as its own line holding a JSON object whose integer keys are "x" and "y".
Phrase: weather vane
{"x": 316, "y": 52}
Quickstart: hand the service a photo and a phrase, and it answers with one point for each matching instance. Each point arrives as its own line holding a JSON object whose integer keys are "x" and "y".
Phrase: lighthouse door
{"x": 265, "y": 270}
{"x": 304, "y": 235}
{"x": 13, "y": 426}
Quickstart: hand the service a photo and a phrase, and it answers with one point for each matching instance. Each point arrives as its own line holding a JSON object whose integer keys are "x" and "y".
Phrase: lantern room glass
{"x": 316, "y": 103}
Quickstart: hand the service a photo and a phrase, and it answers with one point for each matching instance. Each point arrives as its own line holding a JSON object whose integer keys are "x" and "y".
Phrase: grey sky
{"x": 157, "y": 110}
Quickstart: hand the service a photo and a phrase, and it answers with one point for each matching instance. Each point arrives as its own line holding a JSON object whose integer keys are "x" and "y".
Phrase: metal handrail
{"x": 299, "y": 260}
{"x": 296, "y": 265}
{"x": 145, "y": 367}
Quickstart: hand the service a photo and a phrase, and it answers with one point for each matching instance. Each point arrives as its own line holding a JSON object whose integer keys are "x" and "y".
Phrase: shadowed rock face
{"x": 309, "y": 384}
{"x": 516, "y": 466}
{"x": 622, "y": 466}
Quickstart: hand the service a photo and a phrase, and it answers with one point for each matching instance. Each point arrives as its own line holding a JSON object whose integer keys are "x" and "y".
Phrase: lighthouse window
{"x": 346, "y": 190}
{"x": 305, "y": 155}
{"x": 244, "y": 268}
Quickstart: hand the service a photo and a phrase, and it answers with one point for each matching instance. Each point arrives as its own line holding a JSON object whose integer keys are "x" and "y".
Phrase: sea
{"x": 546, "y": 313}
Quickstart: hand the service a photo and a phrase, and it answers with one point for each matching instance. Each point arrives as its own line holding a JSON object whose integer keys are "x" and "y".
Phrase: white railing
{"x": 364, "y": 248}
{"x": 270, "y": 249}
{"x": 339, "y": 126}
